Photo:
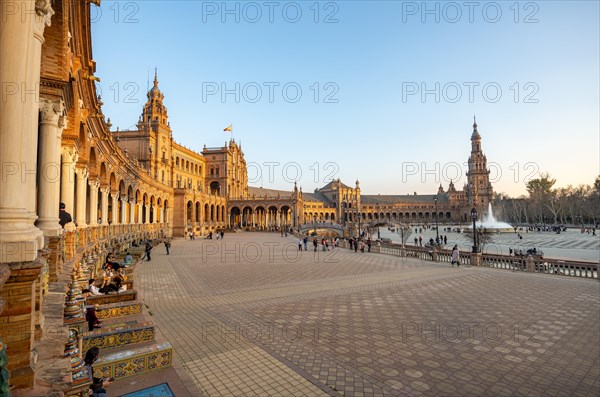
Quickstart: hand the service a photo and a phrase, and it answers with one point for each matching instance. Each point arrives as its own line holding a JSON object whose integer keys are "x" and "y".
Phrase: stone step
{"x": 123, "y": 363}
{"x": 115, "y": 335}
{"x": 113, "y": 297}
{"x": 120, "y": 309}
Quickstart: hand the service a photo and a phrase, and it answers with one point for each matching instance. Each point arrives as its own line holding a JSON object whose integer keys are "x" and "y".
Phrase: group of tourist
{"x": 357, "y": 244}
{"x": 439, "y": 240}
{"x": 220, "y": 235}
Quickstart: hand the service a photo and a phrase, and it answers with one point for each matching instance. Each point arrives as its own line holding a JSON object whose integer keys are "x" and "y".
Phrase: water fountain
{"x": 491, "y": 225}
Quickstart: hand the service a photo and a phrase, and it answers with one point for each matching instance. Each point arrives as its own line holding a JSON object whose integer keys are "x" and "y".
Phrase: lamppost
{"x": 359, "y": 216}
{"x": 474, "y": 218}
{"x": 437, "y": 232}
{"x": 315, "y": 223}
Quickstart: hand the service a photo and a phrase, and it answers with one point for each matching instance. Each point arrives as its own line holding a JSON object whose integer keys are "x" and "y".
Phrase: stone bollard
{"x": 530, "y": 264}
{"x": 403, "y": 252}
{"x": 434, "y": 255}
{"x": 476, "y": 259}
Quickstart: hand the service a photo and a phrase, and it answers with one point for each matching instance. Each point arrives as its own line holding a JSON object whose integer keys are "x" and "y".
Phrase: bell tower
{"x": 154, "y": 122}
{"x": 479, "y": 189}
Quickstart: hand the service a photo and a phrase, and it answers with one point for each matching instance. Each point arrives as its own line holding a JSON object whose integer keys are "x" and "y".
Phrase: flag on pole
{"x": 229, "y": 128}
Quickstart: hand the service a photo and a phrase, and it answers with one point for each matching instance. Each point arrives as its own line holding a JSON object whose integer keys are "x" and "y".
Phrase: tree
{"x": 543, "y": 196}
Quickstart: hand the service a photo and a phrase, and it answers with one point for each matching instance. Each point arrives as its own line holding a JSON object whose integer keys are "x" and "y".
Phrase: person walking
{"x": 148, "y": 249}
{"x": 299, "y": 245}
{"x": 167, "y": 245}
{"x": 369, "y": 245}
{"x": 315, "y": 243}
{"x": 305, "y": 242}
{"x": 455, "y": 256}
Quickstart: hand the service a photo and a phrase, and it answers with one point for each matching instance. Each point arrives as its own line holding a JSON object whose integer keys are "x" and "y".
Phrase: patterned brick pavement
{"x": 250, "y": 316}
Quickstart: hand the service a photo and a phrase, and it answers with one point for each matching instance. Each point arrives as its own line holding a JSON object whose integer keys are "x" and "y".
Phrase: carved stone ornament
{"x": 43, "y": 8}
{"x": 51, "y": 111}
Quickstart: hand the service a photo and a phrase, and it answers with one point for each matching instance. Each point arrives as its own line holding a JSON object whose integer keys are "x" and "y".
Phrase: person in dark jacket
{"x": 148, "y": 249}
{"x": 98, "y": 385}
{"x": 63, "y": 216}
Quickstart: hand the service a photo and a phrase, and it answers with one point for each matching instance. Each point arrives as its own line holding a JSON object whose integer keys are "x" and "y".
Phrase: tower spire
{"x": 156, "y": 77}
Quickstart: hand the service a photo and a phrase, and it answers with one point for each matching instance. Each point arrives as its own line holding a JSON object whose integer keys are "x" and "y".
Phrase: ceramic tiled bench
{"x": 126, "y": 296}
{"x": 119, "y": 335}
{"x": 118, "y": 309}
{"x": 134, "y": 361}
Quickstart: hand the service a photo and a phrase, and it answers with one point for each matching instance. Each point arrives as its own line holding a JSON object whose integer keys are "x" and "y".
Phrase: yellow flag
{"x": 229, "y": 128}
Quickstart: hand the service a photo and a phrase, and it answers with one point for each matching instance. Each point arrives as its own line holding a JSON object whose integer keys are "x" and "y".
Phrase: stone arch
{"x": 215, "y": 188}
{"x": 112, "y": 182}
{"x": 235, "y": 216}
{"x": 247, "y": 212}
{"x": 189, "y": 209}
{"x": 93, "y": 163}
{"x": 145, "y": 204}
{"x": 206, "y": 213}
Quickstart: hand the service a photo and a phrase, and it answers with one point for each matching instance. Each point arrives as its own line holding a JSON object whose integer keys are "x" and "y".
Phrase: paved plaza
{"x": 251, "y": 316}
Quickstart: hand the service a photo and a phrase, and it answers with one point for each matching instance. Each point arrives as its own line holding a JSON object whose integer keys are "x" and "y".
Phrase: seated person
{"x": 118, "y": 280}
{"x": 128, "y": 258}
{"x": 92, "y": 289}
{"x": 110, "y": 260}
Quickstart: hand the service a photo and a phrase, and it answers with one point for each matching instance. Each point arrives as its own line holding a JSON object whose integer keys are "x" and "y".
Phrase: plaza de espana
{"x": 56, "y": 146}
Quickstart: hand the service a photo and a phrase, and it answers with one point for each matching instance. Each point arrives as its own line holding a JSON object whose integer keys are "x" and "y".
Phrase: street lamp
{"x": 315, "y": 223}
{"x": 474, "y": 218}
{"x": 437, "y": 232}
{"x": 359, "y": 216}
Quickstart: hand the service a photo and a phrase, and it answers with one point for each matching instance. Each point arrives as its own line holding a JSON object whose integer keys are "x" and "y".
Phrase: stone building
{"x": 340, "y": 203}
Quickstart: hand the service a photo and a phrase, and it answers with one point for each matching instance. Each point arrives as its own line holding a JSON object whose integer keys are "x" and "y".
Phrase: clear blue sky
{"x": 374, "y": 55}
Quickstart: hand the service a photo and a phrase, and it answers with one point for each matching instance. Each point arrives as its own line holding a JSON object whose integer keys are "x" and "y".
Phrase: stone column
{"x": 132, "y": 209}
{"x": 104, "y": 204}
{"x": 162, "y": 215}
{"x": 67, "y": 179}
{"x": 147, "y": 213}
{"x": 52, "y": 122}
{"x": 115, "y": 207}
{"x": 94, "y": 185}
{"x": 140, "y": 212}
{"x": 155, "y": 211}
{"x": 124, "y": 210}
{"x": 82, "y": 179}
{"x": 20, "y": 40}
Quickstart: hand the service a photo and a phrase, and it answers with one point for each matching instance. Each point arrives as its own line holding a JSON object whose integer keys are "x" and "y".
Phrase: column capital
{"x": 43, "y": 8}
{"x": 69, "y": 154}
{"x": 94, "y": 183}
{"x": 51, "y": 111}
{"x": 115, "y": 195}
{"x": 124, "y": 199}
{"x": 105, "y": 189}
{"x": 82, "y": 172}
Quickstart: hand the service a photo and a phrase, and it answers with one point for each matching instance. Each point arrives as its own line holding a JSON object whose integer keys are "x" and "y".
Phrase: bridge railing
{"x": 321, "y": 225}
